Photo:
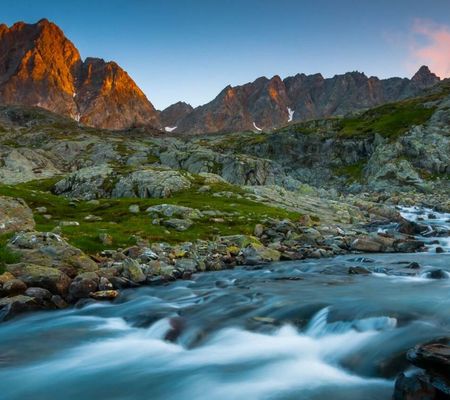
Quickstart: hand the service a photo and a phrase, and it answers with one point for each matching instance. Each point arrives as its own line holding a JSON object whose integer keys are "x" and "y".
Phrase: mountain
{"x": 269, "y": 103}
{"x": 39, "y": 66}
{"x": 172, "y": 115}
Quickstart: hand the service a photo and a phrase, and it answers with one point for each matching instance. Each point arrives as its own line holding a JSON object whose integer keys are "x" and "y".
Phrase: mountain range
{"x": 40, "y": 67}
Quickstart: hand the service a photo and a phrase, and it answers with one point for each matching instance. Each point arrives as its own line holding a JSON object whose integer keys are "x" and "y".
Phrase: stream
{"x": 289, "y": 330}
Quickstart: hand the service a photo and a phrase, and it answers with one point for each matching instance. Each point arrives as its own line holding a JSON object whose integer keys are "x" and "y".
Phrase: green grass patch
{"x": 389, "y": 120}
{"x": 353, "y": 172}
{"x": 124, "y": 226}
{"x": 6, "y": 255}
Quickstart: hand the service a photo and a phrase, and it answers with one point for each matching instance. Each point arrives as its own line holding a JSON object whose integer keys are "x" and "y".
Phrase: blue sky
{"x": 190, "y": 50}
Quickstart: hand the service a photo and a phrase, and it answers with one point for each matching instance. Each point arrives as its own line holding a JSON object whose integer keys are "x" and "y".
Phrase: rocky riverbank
{"x": 49, "y": 273}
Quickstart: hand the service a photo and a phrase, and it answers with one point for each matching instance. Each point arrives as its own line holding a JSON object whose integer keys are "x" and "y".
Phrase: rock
{"x": 69, "y": 223}
{"x": 439, "y": 250}
{"x": 434, "y": 357}
{"x": 259, "y": 254}
{"x": 83, "y": 285}
{"x": 104, "y": 284}
{"x": 240, "y": 241}
{"x": 358, "y": 271}
{"x": 153, "y": 183}
{"x": 41, "y": 210}
{"x": 367, "y": 245}
{"x": 5, "y": 277}
{"x": 92, "y": 218}
{"x": 430, "y": 383}
{"x": 50, "y": 250}
{"x": 413, "y": 265}
{"x": 87, "y": 183}
{"x": 59, "y": 302}
{"x": 106, "y": 239}
{"x": 11, "y": 306}
{"x": 171, "y": 210}
{"x": 13, "y": 287}
{"x": 437, "y": 274}
{"x": 15, "y": 216}
{"x": 409, "y": 246}
{"x": 134, "y": 209}
{"x": 411, "y": 228}
{"x": 48, "y": 278}
{"x": 259, "y": 230}
{"x": 40, "y": 294}
{"x": 133, "y": 271}
{"x": 186, "y": 264}
{"x": 105, "y": 294}
{"x": 415, "y": 387}
{"x": 178, "y": 224}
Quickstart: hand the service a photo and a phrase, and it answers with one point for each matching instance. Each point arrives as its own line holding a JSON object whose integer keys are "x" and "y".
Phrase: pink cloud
{"x": 430, "y": 45}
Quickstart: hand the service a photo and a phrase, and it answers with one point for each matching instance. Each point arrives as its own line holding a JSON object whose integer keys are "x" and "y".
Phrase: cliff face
{"x": 39, "y": 66}
{"x": 269, "y": 103}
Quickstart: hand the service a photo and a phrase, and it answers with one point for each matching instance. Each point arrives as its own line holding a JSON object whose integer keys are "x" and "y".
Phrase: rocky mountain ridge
{"x": 270, "y": 103}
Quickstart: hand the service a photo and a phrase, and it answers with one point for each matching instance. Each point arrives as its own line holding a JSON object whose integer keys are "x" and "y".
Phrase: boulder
{"x": 15, "y": 216}
{"x": 367, "y": 245}
{"x": 133, "y": 271}
{"x": 83, "y": 285}
{"x": 87, "y": 183}
{"x": 105, "y": 295}
{"x": 50, "y": 250}
{"x": 172, "y": 210}
{"x": 178, "y": 224}
{"x": 433, "y": 357}
{"x": 13, "y": 287}
{"x": 40, "y": 294}
{"x": 153, "y": 183}
{"x": 48, "y": 278}
{"x": 11, "y": 306}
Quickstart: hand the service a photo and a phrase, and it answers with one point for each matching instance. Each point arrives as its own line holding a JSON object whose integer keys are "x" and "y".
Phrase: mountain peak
{"x": 424, "y": 77}
{"x": 41, "y": 67}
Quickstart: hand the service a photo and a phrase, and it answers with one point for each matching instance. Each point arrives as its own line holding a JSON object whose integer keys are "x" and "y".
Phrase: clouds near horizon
{"x": 430, "y": 45}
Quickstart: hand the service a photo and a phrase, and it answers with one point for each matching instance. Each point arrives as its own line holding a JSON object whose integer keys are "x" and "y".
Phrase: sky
{"x": 189, "y": 50}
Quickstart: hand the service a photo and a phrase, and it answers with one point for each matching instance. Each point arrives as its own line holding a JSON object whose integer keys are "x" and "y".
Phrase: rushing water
{"x": 297, "y": 330}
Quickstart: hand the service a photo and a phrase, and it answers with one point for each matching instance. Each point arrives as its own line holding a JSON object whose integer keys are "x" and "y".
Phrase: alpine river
{"x": 297, "y": 330}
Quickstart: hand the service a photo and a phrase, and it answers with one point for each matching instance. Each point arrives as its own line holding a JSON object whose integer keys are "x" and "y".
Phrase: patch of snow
{"x": 74, "y": 95}
{"x": 170, "y": 128}
{"x": 291, "y": 114}
{"x": 2, "y": 226}
{"x": 77, "y": 117}
{"x": 258, "y": 129}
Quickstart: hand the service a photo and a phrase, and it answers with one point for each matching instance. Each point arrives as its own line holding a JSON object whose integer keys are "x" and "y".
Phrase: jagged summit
{"x": 39, "y": 66}
{"x": 268, "y": 103}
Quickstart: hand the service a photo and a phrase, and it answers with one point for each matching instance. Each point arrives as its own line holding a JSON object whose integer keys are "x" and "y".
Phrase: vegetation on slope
{"x": 239, "y": 215}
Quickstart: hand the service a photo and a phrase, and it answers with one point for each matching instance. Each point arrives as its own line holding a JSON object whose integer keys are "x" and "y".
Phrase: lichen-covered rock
{"x": 87, "y": 183}
{"x": 15, "y": 215}
{"x": 11, "y": 306}
{"x": 83, "y": 285}
{"x": 105, "y": 295}
{"x": 151, "y": 183}
{"x": 172, "y": 210}
{"x": 178, "y": 224}
{"x": 48, "y": 278}
{"x": 133, "y": 271}
{"x": 50, "y": 250}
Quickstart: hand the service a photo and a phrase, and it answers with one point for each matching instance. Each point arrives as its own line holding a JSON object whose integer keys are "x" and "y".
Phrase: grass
{"x": 124, "y": 227}
{"x": 389, "y": 120}
{"x": 354, "y": 172}
{"x": 6, "y": 255}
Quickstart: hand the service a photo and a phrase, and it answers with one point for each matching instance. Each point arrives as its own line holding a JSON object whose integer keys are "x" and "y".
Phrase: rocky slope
{"x": 172, "y": 115}
{"x": 39, "y": 66}
{"x": 268, "y": 103}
